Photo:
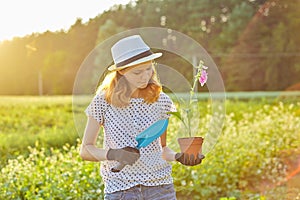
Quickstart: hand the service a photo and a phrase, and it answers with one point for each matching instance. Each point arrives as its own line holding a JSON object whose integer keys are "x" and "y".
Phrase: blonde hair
{"x": 117, "y": 91}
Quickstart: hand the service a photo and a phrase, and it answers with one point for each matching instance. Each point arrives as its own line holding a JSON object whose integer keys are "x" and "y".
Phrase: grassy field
{"x": 251, "y": 160}
{"x": 25, "y": 121}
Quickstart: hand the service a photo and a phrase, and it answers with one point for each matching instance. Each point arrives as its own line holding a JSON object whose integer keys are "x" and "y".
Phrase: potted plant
{"x": 191, "y": 144}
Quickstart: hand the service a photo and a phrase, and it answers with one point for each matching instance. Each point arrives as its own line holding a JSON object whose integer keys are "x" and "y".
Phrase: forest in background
{"x": 254, "y": 43}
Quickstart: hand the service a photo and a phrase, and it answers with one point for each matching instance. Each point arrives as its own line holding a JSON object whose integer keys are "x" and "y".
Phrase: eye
{"x": 141, "y": 71}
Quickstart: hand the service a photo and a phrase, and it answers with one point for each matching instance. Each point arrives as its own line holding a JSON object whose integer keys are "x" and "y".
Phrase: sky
{"x": 19, "y": 18}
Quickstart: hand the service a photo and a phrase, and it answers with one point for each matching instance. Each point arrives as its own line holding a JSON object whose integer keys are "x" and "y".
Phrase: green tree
{"x": 250, "y": 40}
{"x": 265, "y": 57}
{"x": 53, "y": 72}
{"x": 236, "y": 21}
{"x": 108, "y": 29}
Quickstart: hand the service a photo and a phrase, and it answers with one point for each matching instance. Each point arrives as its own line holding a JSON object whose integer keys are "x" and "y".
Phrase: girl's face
{"x": 138, "y": 76}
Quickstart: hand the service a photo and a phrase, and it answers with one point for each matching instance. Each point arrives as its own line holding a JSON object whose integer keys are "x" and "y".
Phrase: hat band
{"x": 134, "y": 58}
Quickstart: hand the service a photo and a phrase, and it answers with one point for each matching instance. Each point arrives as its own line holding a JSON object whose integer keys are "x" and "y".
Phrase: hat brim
{"x": 139, "y": 61}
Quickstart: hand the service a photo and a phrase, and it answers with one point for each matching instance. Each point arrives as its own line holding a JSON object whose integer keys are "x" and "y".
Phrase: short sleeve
{"x": 96, "y": 108}
{"x": 167, "y": 105}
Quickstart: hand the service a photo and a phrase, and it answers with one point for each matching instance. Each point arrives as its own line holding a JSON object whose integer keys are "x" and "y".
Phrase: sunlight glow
{"x": 20, "y": 18}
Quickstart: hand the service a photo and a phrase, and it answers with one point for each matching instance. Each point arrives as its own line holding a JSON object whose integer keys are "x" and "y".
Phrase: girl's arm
{"x": 88, "y": 149}
{"x": 167, "y": 153}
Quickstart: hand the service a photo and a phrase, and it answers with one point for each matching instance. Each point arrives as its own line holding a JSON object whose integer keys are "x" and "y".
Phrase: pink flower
{"x": 203, "y": 77}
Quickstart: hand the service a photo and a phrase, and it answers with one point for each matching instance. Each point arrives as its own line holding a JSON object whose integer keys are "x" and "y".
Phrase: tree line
{"x": 254, "y": 43}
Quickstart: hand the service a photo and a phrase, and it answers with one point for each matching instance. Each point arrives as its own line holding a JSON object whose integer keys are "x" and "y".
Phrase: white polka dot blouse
{"x": 121, "y": 126}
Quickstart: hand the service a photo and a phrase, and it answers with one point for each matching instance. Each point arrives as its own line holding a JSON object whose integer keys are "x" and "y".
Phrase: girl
{"x": 128, "y": 101}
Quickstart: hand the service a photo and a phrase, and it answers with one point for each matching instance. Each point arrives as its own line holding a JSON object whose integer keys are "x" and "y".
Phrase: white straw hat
{"x": 131, "y": 51}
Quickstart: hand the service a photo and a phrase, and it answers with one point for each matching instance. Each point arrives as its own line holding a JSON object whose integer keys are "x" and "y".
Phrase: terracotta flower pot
{"x": 191, "y": 145}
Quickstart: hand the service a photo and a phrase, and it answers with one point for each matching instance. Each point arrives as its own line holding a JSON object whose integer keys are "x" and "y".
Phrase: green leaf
{"x": 178, "y": 115}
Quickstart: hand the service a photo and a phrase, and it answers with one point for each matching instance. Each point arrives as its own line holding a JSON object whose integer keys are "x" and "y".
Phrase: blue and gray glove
{"x": 126, "y": 155}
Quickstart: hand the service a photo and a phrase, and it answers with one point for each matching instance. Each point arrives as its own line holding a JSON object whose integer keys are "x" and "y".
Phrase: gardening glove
{"x": 189, "y": 160}
{"x": 126, "y": 155}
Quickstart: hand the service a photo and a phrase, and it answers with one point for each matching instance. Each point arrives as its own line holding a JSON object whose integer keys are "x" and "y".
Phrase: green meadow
{"x": 252, "y": 159}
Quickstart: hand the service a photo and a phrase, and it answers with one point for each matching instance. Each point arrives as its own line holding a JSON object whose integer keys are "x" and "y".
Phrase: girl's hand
{"x": 189, "y": 160}
{"x": 126, "y": 155}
